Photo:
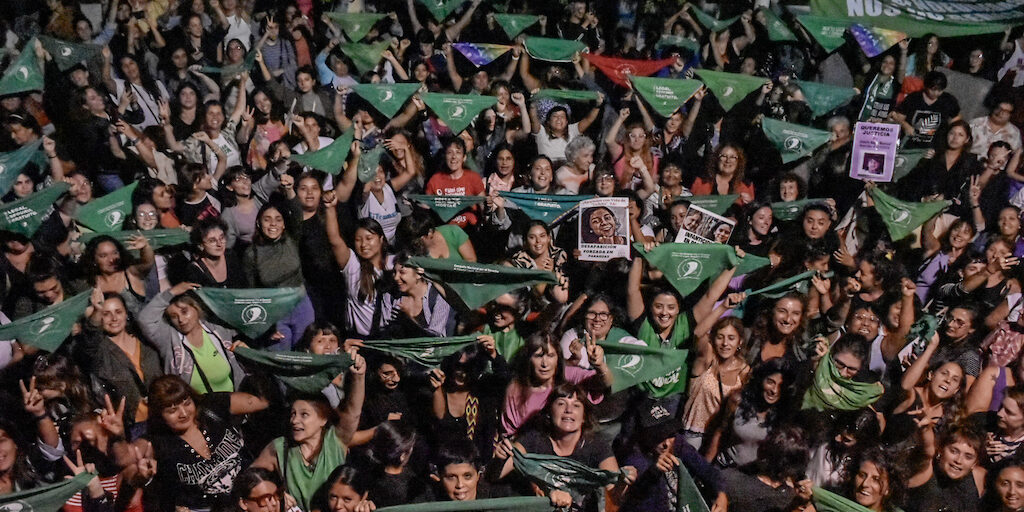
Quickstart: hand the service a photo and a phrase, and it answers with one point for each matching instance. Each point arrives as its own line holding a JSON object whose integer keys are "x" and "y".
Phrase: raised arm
{"x": 453, "y": 31}
{"x": 634, "y": 296}
{"x": 413, "y": 19}
{"x": 893, "y": 342}
{"x": 338, "y": 245}
{"x": 611, "y": 138}
{"x": 920, "y": 365}
{"x": 351, "y": 408}
{"x": 348, "y": 179}
{"x": 453, "y": 73}
{"x": 240, "y": 104}
{"x": 530, "y": 82}
{"x": 592, "y": 115}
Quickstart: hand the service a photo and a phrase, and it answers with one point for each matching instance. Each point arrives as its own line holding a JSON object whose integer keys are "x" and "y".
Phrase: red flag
{"x": 618, "y": 70}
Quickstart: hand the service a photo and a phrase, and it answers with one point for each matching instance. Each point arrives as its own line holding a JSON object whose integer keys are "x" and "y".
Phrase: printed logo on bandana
{"x": 728, "y": 91}
{"x": 792, "y": 209}
{"x": 2, "y": 168}
{"x": 625, "y": 70}
{"x": 65, "y": 51}
{"x": 553, "y": 478}
{"x": 17, "y": 506}
{"x": 793, "y": 143}
{"x": 900, "y": 216}
{"x": 689, "y": 269}
{"x": 23, "y": 73}
{"x": 630, "y": 363}
{"x": 113, "y": 218}
{"x": 429, "y": 352}
{"x": 456, "y": 112}
{"x": 254, "y": 313}
{"x": 44, "y": 324}
{"x": 386, "y": 95}
{"x": 900, "y": 161}
{"x": 355, "y": 28}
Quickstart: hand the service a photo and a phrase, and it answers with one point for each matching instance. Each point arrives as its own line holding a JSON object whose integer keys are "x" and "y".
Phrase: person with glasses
{"x": 258, "y": 490}
{"x": 725, "y": 175}
{"x": 213, "y": 263}
{"x": 242, "y": 198}
{"x": 635, "y": 144}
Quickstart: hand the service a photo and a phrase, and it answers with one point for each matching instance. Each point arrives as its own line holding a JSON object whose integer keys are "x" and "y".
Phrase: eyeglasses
{"x": 264, "y": 499}
{"x": 242, "y": 177}
{"x": 638, "y": 136}
{"x": 728, "y": 157}
{"x": 871, "y": 319}
{"x": 843, "y": 367}
{"x": 145, "y": 214}
{"x": 215, "y": 240}
{"x": 599, "y": 315}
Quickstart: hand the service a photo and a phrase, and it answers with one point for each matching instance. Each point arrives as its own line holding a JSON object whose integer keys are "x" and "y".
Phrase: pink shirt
{"x": 512, "y": 417}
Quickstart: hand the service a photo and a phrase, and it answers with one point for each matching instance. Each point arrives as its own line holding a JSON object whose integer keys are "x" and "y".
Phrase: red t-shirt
{"x": 469, "y": 184}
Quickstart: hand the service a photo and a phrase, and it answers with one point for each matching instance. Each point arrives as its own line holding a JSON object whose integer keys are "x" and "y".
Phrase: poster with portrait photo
{"x": 604, "y": 228}
{"x": 874, "y": 151}
{"x": 701, "y": 226}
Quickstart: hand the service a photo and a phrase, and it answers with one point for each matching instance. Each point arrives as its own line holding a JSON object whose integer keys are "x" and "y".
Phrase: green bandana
{"x": 902, "y": 217}
{"x": 233, "y": 69}
{"x": 670, "y": 41}
{"x": 364, "y": 56}
{"x": 793, "y": 140}
{"x": 566, "y": 94}
{"x": 23, "y": 75}
{"x": 542, "y": 206}
{"x": 47, "y": 497}
{"x": 665, "y": 95}
{"x": 562, "y": 473}
{"x": 905, "y": 162}
{"x": 751, "y": 262}
{"x": 824, "y": 98}
{"x": 798, "y": 283}
{"x": 12, "y": 162}
{"x": 330, "y": 159}
{"x": 366, "y": 169}
{"x": 687, "y": 266}
{"x": 553, "y": 50}
{"x": 457, "y": 110}
{"x": 659, "y": 371}
{"x": 441, "y": 9}
{"x": 253, "y": 311}
{"x": 25, "y": 215}
{"x": 157, "y": 237}
{"x": 825, "y": 501}
{"x": 831, "y": 391}
{"x": 879, "y": 99}
{"x": 356, "y": 24}
{"x": 47, "y": 329}
{"x": 516, "y": 503}
{"x": 507, "y": 343}
{"x": 426, "y": 351}
{"x": 107, "y": 213}
{"x": 447, "y": 206}
{"x": 478, "y": 283}
{"x": 301, "y": 371}
{"x": 688, "y": 497}
{"x": 386, "y": 98}
{"x": 709, "y": 22}
{"x": 515, "y": 24}
{"x": 789, "y": 210}
{"x": 777, "y": 29}
{"x": 67, "y": 54}
{"x": 714, "y": 204}
{"x": 828, "y": 32}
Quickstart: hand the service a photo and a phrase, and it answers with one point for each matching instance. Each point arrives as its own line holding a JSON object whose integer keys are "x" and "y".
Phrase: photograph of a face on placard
{"x": 604, "y": 229}
{"x": 874, "y": 165}
{"x": 701, "y": 226}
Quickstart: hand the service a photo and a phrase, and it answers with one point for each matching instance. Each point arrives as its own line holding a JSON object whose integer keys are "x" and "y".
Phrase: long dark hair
{"x": 523, "y": 369}
{"x": 392, "y": 443}
{"x": 367, "y": 272}
{"x": 89, "y": 266}
{"x": 752, "y": 397}
{"x": 783, "y": 456}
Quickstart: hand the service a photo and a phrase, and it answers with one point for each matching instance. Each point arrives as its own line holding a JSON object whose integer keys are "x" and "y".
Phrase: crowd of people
{"x": 883, "y": 379}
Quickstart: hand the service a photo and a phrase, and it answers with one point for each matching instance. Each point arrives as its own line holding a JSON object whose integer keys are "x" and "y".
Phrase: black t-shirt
{"x": 750, "y": 494}
{"x": 928, "y": 120}
{"x": 189, "y": 214}
{"x": 589, "y": 451}
{"x": 407, "y": 487}
{"x": 188, "y": 479}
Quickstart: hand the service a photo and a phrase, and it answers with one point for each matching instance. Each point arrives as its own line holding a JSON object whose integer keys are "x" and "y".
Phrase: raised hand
{"x": 32, "y": 398}
{"x": 112, "y": 420}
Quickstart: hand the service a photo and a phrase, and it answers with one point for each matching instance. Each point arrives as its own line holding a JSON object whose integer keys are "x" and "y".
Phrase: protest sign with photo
{"x": 874, "y": 151}
{"x": 701, "y": 226}
{"x": 604, "y": 228}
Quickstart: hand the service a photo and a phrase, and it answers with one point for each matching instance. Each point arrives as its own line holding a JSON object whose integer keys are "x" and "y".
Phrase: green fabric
{"x": 709, "y": 22}
{"x": 831, "y": 391}
{"x": 825, "y": 501}
{"x": 515, "y": 24}
{"x": 457, "y": 110}
{"x": 46, "y": 498}
{"x": 107, "y": 213}
{"x": 729, "y": 88}
{"x": 714, "y": 204}
{"x": 824, "y": 98}
{"x": 233, "y": 69}
{"x": 506, "y": 342}
{"x": 790, "y": 210}
{"x": 671, "y": 41}
{"x": 67, "y": 54}
{"x": 687, "y": 266}
{"x": 330, "y": 159}
{"x": 304, "y": 372}
{"x": 688, "y": 497}
{"x": 356, "y": 24}
{"x": 364, "y": 56}
{"x": 918, "y": 338}
{"x": 906, "y": 161}
{"x": 454, "y": 237}
{"x": 447, "y": 206}
{"x": 517, "y": 503}
{"x": 553, "y": 50}
{"x": 793, "y": 141}
{"x": 386, "y": 98}
{"x": 798, "y": 282}
{"x": 215, "y": 368}
{"x": 562, "y": 473}
{"x": 478, "y": 283}
{"x": 751, "y": 262}
{"x": 441, "y": 9}
{"x": 425, "y": 351}
{"x": 23, "y": 75}
{"x": 902, "y": 217}
{"x": 12, "y": 162}
{"x": 778, "y": 31}
{"x": 660, "y": 371}
{"x": 665, "y": 95}
{"x": 948, "y": 18}
{"x": 253, "y": 311}
{"x": 366, "y": 168}
{"x": 25, "y": 215}
{"x": 827, "y": 31}
{"x": 47, "y": 329}
{"x": 545, "y": 207}
{"x": 157, "y": 237}
{"x": 303, "y": 481}
{"x": 566, "y": 94}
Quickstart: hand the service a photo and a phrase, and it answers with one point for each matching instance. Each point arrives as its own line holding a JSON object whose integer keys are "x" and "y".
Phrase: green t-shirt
{"x": 214, "y": 365}
{"x": 302, "y": 481}
{"x": 675, "y": 382}
{"x": 454, "y": 236}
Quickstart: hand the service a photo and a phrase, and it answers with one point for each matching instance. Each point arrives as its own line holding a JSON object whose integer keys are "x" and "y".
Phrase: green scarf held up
{"x": 831, "y": 391}
{"x": 23, "y": 75}
{"x": 562, "y": 473}
{"x": 790, "y": 210}
{"x": 566, "y": 94}
{"x": 356, "y": 24}
{"x": 253, "y": 311}
{"x": 330, "y": 158}
{"x": 47, "y": 329}
{"x": 45, "y": 498}
{"x": 301, "y": 371}
{"x": 545, "y": 207}
{"x": 553, "y": 50}
{"x": 426, "y": 351}
{"x": 386, "y": 98}
{"x": 364, "y": 56}
{"x": 797, "y": 283}
{"x": 67, "y": 54}
{"x": 714, "y": 204}
{"x": 901, "y": 218}
{"x": 12, "y": 162}
{"x": 688, "y": 497}
{"x": 793, "y": 141}
{"x": 477, "y": 284}
{"x": 515, "y": 24}
{"x": 158, "y": 238}
{"x": 447, "y": 206}
{"x": 687, "y": 266}
{"x": 109, "y": 212}
{"x": 25, "y": 215}
{"x": 825, "y": 501}
{"x": 659, "y": 371}
{"x": 514, "y": 503}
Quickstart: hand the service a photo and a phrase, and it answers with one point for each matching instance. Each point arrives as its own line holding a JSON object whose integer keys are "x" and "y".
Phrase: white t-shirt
{"x": 554, "y": 148}
{"x": 148, "y": 104}
{"x": 234, "y": 157}
{"x": 239, "y": 29}
{"x": 360, "y": 313}
{"x": 385, "y": 212}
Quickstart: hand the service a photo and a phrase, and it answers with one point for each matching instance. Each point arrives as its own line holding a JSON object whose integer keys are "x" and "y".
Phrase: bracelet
{"x": 52, "y": 156}
{"x": 42, "y": 417}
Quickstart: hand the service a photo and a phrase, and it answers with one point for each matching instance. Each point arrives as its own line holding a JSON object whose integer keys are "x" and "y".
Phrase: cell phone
{"x": 139, "y": 15}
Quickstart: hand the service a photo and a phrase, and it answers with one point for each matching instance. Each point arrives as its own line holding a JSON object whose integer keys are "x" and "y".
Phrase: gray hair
{"x": 838, "y": 120}
{"x": 576, "y": 146}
